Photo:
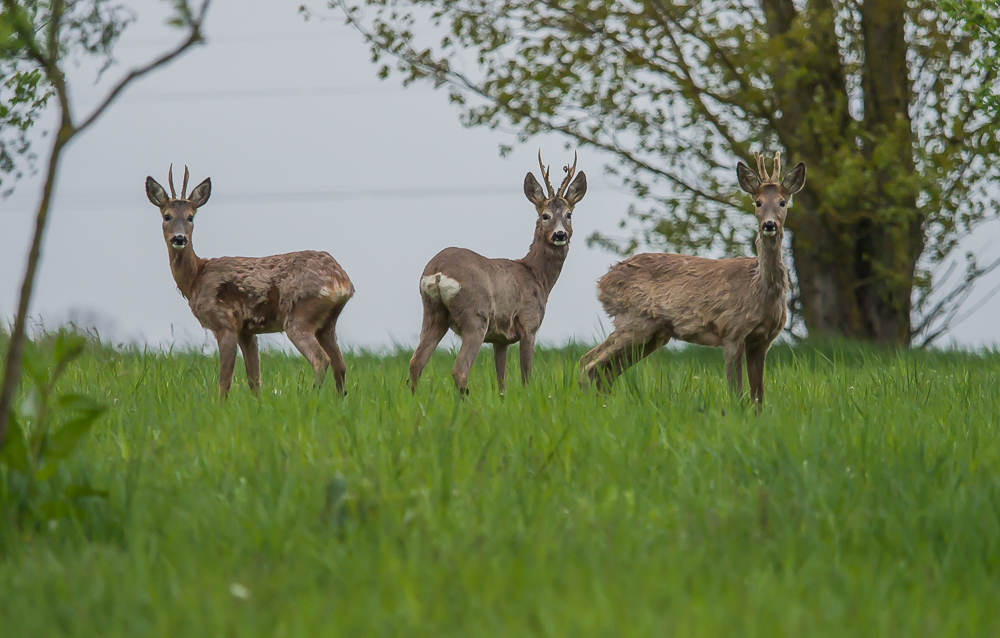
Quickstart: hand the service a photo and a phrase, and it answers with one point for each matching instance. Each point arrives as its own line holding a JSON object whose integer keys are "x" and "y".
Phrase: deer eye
{"x": 782, "y": 204}
{"x": 546, "y": 217}
{"x": 569, "y": 215}
{"x": 759, "y": 203}
{"x": 190, "y": 218}
{"x": 166, "y": 217}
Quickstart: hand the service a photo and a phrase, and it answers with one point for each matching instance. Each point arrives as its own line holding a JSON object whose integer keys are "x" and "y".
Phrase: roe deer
{"x": 237, "y": 298}
{"x": 737, "y": 303}
{"x": 498, "y": 301}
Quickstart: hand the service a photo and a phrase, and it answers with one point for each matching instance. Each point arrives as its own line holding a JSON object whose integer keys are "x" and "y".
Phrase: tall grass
{"x": 864, "y": 500}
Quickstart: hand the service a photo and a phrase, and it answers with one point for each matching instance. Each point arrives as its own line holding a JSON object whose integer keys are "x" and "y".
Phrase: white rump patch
{"x": 439, "y": 287}
{"x": 335, "y": 292}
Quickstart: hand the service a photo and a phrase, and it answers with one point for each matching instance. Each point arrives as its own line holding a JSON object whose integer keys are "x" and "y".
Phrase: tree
{"x": 37, "y": 37}
{"x": 982, "y": 17}
{"x": 873, "y": 96}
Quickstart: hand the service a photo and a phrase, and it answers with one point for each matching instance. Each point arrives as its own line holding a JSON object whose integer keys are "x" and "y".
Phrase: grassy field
{"x": 864, "y": 500}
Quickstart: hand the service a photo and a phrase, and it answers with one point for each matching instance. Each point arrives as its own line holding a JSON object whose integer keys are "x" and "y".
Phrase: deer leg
{"x": 627, "y": 356}
{"x": 527, "y": 347}
{"x": 472, "y": 341}
{"x": 327, "y": 337}
{"x": 303, "y": 337}
{"x": 251, "y": 359}
{"x": 500, "y": 361}
{"x": 227, "y": 360}
{"x": 616, "y": 355}
{"x": 756, "y": 354}
{"x": 591, "y": 362}
{"x": 587, "y": 358}
{"x": 733, "y": 353}
{"x": 433, "y": 330}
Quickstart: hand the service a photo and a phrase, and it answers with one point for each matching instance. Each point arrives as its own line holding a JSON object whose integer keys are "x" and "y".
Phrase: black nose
{"x": 770, "y": 226}
{"x": 179, "y": 240}
{"x": 560, "y": 236}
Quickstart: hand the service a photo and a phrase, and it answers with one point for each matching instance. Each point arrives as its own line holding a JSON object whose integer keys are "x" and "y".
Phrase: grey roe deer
{"x": 301, "y": 294}
{"x": 498, "y": 301}
{"x": 737, "y": 303}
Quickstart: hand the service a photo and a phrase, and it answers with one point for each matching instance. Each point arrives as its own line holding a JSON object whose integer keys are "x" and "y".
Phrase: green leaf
{"x": 46, "y": 472}
{"x": 80, "y": 403}
{"x": 34, "y": 365}
{"x": 54, "y": 509}
{"x": 15, "y": 451}
{"x": 65, "y": 440}
{"x": 68, "y": 347}
{"x": 30, "y": 404}
{"x": 84, "y": 491}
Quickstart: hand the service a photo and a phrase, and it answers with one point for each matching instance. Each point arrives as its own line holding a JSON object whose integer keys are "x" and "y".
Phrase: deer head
{"x": 555, "y": 210}
{"x": 178, "y": 212}
{"x": 771, "y": 193}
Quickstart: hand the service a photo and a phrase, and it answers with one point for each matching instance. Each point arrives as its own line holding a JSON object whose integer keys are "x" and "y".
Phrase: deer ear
{"x": 577, "y": 189}
{"x": 749, "y": 181}
{"x": 157, "y": 196}
{"x": 533, "y": 191}
{"x": 795, "y": 179}
{"x": 201, "y": 193}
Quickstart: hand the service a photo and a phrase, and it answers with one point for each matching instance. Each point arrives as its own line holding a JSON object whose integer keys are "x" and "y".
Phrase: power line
{"x": 252, "y": 38}
{"x": 242, "y": 94}
{"x": 125, "y": 201}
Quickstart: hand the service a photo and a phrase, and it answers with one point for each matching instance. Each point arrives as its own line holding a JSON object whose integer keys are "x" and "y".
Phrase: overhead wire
{"x": 123, "y": 201}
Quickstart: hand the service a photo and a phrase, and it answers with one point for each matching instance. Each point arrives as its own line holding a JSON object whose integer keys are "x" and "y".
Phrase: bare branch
{"x": 952, "y": 304}
{"x": 15, "y": 350}
{"x": 193, "y": 38}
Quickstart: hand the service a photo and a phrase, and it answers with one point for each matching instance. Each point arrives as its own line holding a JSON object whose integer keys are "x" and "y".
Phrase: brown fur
{"x": 498, "y": 301}
{"x": 301, "y": 294}
{"x": 738, "y": 304}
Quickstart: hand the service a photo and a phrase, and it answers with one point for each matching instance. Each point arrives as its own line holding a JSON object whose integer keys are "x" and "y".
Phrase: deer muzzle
{"x": 769, "y": 228}
{"x": 179, "y": 242}
{"x": 560, "y": 237}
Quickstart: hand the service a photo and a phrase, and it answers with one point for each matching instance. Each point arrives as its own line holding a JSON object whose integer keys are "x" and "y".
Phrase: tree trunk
{"x": 15, "y": 349}
{"x": 855, "y": 255}
{"x": 891, "y": 238}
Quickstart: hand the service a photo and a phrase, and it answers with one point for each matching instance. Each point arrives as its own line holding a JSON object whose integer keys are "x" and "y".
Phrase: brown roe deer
{"x": 498, "y": 301}
{"x": 301, "y": 294}
{"x": 738, "y": 304}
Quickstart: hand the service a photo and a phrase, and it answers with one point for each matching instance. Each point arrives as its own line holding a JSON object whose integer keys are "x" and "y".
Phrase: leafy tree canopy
{"x": 982, "y": 17}
{"x": 877, "y": 97}
{"x": 89, "y": 30}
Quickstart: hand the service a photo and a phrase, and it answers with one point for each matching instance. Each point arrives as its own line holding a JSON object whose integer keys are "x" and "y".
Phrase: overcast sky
{"x": 306, "y": 149}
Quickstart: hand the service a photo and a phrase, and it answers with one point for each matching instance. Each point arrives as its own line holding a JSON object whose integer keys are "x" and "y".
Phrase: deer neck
{"x": 544, "y": 260}
{"x": 186, "y": 267}
{"x": 772, "y": 276}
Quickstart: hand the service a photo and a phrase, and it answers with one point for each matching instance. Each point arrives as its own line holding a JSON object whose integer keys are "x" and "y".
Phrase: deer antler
{"x": 545, "y": 175}
{"x": 761, "y": 171}
{"x": 773, "y": 177}
{"x": 570, "y": 171}
{"x": 184, "y": 188}
{"x": 170, "y": 180}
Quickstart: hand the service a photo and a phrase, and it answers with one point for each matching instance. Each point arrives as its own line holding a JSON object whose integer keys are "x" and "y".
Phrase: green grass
{"x": 864, "y": 500}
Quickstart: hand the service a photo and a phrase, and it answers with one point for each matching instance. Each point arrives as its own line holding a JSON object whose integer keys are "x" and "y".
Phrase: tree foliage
{"x": 49, "y": 427}
{"x": 89, "y": 31}
{"x": 982, "y": 17}
{"x": 874, "y": 96}
{"x": 37, "y": 38}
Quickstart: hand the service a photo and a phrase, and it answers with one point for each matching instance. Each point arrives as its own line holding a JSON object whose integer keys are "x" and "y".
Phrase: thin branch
{"x": 194, "y": 38}
{"x": 15, "y": 350}
{"x": 951, "y": 305}
{"x": 440, "y": 75}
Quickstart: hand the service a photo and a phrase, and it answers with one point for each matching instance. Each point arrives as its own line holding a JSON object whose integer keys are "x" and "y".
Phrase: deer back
{"x": 258, "y": 293}
{"x": 703, "y": 301}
